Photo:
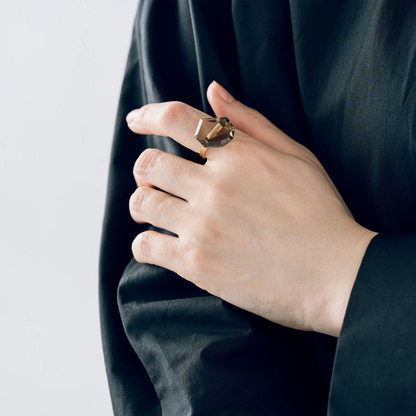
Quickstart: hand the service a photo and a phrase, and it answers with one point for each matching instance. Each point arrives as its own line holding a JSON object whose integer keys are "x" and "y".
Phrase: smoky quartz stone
{"x": 214, "y": 132}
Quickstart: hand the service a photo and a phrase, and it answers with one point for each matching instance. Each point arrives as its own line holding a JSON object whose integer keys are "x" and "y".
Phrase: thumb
{"x": 249, "y": 120}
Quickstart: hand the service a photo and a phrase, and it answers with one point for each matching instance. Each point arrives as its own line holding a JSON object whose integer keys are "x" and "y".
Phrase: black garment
{"x": 338, "y": 77}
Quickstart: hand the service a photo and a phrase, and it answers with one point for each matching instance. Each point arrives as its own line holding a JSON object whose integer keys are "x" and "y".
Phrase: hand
{"x": 260, "y": 225}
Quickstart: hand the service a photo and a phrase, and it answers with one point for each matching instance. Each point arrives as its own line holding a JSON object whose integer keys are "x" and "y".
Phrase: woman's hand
{"x": 260, "y": 225}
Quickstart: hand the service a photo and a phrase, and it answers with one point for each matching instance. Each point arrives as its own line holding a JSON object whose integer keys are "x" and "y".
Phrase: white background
{"x": 61, "y": 68}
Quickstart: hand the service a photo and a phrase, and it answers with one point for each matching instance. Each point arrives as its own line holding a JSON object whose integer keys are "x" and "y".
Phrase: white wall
{"x": 61, "y": 68}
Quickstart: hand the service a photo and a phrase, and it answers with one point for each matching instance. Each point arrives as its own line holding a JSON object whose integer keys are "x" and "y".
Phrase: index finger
{"x": 172, "y": 119}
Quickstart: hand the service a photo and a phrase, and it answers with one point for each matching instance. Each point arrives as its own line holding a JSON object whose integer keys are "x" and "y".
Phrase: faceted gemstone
{"x": 214, "y": 132}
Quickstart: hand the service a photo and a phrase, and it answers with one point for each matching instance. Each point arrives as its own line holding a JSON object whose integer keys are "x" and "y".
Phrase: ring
{"x": 213, "y": 132}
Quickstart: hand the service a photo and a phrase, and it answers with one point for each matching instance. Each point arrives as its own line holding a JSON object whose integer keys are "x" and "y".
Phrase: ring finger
{"x": 149, "y": 205}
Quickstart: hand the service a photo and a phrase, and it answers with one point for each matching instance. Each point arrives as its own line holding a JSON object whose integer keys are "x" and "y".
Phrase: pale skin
{"x": 260, "y": 225}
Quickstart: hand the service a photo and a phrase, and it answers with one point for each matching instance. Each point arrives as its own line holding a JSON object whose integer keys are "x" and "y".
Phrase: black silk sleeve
{"x": 357, "y": 70}
{"x": 375, "y": 364}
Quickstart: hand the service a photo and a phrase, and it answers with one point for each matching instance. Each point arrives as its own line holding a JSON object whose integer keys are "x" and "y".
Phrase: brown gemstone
{"x": 214, "y": 132}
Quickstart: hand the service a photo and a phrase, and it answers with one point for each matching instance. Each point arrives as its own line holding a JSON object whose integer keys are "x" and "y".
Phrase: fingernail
{"x": 223, "y": 93}
{"x": 131, "y": 116}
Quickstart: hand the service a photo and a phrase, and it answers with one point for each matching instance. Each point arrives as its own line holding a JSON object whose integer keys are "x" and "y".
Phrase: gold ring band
{"x": 203, "y": 151}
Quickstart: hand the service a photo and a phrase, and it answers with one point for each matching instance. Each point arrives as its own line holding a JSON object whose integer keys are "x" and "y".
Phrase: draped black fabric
{"x": 339, "y": 77}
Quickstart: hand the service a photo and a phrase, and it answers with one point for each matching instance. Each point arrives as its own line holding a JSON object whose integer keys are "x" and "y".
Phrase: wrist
{"x": 334, "y": 304}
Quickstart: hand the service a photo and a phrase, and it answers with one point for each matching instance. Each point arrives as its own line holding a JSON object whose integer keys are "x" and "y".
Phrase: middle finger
{"x": 168, "y": 172}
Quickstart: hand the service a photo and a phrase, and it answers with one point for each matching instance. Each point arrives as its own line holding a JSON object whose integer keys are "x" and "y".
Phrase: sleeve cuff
{"x": 375, "y": 363}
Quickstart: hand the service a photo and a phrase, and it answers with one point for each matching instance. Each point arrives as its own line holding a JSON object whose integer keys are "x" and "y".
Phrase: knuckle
{"x": 197, "y": 263}
{"x": 146, "y": 162}
{"x": 141, "y": 114}
{"x": 143, "y": 245}
{"x": 137, "y": 200}
{"x": 170, "y": 113}
{"x": 219, "y": 194}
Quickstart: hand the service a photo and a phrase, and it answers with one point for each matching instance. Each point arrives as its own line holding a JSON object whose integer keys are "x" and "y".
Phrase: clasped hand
{"x": 260, "y": 225}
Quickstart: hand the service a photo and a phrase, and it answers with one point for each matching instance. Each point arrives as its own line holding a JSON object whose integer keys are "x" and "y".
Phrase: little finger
{"x": 160, "y": 249}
